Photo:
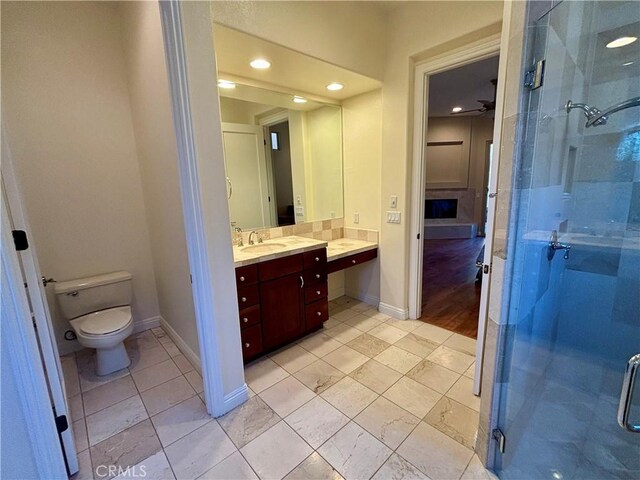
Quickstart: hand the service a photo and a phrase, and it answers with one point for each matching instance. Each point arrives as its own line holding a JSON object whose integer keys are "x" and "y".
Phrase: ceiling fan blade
{"x": 467, "y": 111}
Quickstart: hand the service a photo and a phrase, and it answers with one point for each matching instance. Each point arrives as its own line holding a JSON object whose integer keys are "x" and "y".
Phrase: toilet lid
{"x": 105, "y": 321}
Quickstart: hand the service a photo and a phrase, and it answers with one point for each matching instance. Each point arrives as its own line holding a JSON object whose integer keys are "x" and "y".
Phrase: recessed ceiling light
{"x": 456, "y": 109}
{"x": 260, "y": 63}
{"x": 298, "y": 99}
{"x": 226, "y": 84}
{"x": 335, "y": 86}
{"x": 627, "y": 64}
{"x": 621, "y": 42}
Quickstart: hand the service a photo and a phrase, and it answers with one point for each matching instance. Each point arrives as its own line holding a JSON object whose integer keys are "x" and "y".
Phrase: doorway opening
{"x": 459, "y": 135}
{"x": 279, "y": 147}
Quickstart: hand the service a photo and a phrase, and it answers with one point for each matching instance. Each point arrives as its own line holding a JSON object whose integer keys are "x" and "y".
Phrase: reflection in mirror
{"x": 283, "y": 157}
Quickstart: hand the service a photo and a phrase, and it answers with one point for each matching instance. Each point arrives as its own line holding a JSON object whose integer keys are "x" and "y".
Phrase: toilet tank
{"x": 91, "y": 294}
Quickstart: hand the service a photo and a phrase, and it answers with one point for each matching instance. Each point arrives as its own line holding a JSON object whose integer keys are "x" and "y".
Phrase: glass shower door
{"x": 574, "y": 307}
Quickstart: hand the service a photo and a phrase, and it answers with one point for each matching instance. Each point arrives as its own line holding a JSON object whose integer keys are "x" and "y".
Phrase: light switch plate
{"x": 393, "y": 201}
{"x": 356, "y": 217}
{"x": 393, "y": 217}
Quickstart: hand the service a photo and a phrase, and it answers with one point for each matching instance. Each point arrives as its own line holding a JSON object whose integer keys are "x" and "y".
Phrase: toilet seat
{"x": 104, "y": 322}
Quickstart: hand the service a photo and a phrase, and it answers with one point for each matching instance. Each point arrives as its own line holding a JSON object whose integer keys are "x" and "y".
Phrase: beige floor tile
{"x": 406, "y": 325}
{"x": 314, "y": 467}
{"x": 349, "y": 396}
{"x": 147, "y": 357}
{"x": 234, "y": 467}
{"x": 76, "y": 409}
{"x": 80, "y": 438}
{"x": 471, "y": 371}
{"x": 106, "y": 395}
{"x": 462, "y": 392}
{"x": 182, "y": 363}
{"x": 331, "y": 322}
{"x": 433, "y": 333}
{"x": 362, "y": 322}
{"x": 433, "y": 376}
{"x": 398, "y": 359}
{"x": 149, "y": 377}
{"x": 417, "y": 345}
{"x": 156, "y": 467}
{"x": 246, "y": 422}
{"x": 180, "y": 420}
{"x": 85, "y": 469}
{"x": 319, "y": 344}
{"x": 114, "y": 419}
{"x": 343, "y": 333}
{"x": 476, "y": 471}
{"x": 317, "y": 421}
{"x": 412, "y": 396}
{"x": 127, "y": 448}
{"x": 455, "y": 420}
{"x": 383, "y": 317}
{"x": 375, "y": 376}
{"x": 293, "y": 358}
{"x": 166, "y": 395}
{"x": 355, "y": 453}
{"x": 143, "y": 340}
{"x": 397, "y": 468}
{"x": 264, "y": 373}
{"x": 452, "y": 359}
{"x": 368, "y": 345}
{"x": 199, "y": 451}
{"x": 387, "y": 422}
{"x": 360, "y": 306}
{"x": 434, "y": 453}
{"x": 171, "y": 348}
{"x": 276, "y": 452}
{"x": 344, "y": 315}
{"x": 319, "y": 376}
{"x": 387, "y": 333}
{"x": 345, "y": 359}
{"x": 462, "y": 344}
{"x": 70, "y": 374}
{"x": 195, "y": 380}
{"x": 90, "y": 380}
{"x": 286, "y": 396}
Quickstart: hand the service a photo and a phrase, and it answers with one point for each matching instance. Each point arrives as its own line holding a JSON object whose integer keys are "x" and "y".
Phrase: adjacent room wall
{"x": 157, "y": 154}
{"x": 66, "y": 108}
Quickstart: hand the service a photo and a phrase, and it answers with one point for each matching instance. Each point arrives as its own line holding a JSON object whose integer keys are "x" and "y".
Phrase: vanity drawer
{"x": 280, "y": 267}
{"x": 251, "y": 342}
{"x": 315, "y": 258}
{"x": 250, "y": 316}
{"x": 316, "y": 314}
{"x": 247, "y": 275}
{"x": 316, "y": 275}
{"x": 315, "y": 292}
{"x": 248, "y": 296}
{"x": 351, "y": 260}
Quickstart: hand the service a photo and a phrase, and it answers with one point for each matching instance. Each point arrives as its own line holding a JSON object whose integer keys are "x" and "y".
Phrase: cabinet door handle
{"x": 319, "y": 314}
{"x": 353, "y": 261}
{"x": 242, "y": 279}
{"x": 301, "y": 282}
{"x": 247, "y": 345}
{"x": 317, "y": 292}
{"x": 317, "y": 259}
{"x": 245, "y": 320}
{"x": 244, "y": 299}
{"x": 317, "y": 275}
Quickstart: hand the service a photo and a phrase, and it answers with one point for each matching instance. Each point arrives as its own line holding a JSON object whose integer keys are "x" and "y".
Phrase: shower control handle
{"x": 554, "y": 245}
{"x": 626, "y": 395}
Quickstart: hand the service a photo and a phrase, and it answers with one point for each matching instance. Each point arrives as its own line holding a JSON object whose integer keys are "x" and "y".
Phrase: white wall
{"x": 66, "y": 107}
{"x": 157, "y": 154}
{"x": 233, "y": 110}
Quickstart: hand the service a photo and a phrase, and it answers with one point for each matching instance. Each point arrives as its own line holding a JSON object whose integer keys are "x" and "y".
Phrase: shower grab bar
{"x": 597, "y": 117}
{"x": 626, "y": 396}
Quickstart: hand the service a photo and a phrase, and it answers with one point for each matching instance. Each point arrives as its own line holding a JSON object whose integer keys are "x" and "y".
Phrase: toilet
{"x": 99, "y": 311}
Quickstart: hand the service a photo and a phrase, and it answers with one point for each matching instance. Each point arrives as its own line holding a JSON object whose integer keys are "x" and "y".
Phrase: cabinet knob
{"x": 317, "y": 259}
{"x": 319, "y": 314}
{"x": 244, "y": 299}
{"x": 245, "y": 320}
{"x": 317, "y": 275}
{"x": 317, "y": 292}
{"x": 247, "y": 345}
{"x": 353, "y": 261}
{"x": 242, "y": 279}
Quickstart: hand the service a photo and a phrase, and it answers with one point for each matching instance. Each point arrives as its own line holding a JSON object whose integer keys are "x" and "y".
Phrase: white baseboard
{"x": 395, "y": 312}
{"x": 363, "y": 297}
{"x": 146, "y": 324}
{"x": 336, "y": 293}
{"x": 235, "y": 398}
{"x": 182, "y": 345}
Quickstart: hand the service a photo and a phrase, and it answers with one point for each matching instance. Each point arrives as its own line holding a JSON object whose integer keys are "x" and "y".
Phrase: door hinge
{"x": 265, "y": 142}
{"x": 20, "y": 239}
{"x": 499, "y": 437}
{"x": 418, "y": 237}
{"x": 61, "y": 423}
{"x": 534, "y": 77}
{"x": 191, "y": 279}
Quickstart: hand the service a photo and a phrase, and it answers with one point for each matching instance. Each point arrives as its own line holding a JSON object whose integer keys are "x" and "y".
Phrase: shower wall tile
{"x": 320, "y": 230}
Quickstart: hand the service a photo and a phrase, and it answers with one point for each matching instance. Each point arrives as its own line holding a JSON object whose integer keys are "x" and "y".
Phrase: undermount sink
{"x": 263, "y": 247}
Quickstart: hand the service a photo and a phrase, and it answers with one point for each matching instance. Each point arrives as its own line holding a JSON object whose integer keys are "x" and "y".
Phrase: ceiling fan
{"x": 487, "y": 105}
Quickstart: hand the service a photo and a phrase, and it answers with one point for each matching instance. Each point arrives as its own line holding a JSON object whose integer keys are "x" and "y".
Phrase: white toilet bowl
{"x": 106, "y": 330}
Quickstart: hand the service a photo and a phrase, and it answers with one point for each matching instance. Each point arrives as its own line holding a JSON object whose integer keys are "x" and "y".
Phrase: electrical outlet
{"x": 356, "y": 217}
{"x": 393, "y": 202}
{"x": 299, "y": 211}
{"x": 393, "y": 217}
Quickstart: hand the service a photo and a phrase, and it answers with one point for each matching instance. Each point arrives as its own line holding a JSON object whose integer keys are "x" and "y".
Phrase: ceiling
{"x": 298, "y": 73}
{"x": 462, "y": 87}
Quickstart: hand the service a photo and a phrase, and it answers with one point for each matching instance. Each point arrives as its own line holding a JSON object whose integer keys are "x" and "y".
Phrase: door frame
{"x": 481, "y": 50}
{"x": 265, "y": 122}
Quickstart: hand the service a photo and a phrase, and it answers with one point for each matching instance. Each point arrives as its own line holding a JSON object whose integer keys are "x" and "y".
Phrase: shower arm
{"x": 597, "y": 120}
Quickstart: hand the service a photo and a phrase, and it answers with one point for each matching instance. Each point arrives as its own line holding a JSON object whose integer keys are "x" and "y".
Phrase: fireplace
{"x": 440, "y": 208}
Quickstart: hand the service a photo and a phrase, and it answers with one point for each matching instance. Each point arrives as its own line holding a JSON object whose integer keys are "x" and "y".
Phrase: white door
{"x": 39, "y": 310}
{"x": 245, "y": 164}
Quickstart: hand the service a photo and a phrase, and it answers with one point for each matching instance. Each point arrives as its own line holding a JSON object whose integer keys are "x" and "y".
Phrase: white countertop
{"x": 284, "y": 246}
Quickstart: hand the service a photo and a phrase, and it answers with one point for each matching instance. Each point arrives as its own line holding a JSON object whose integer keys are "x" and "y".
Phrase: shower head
{"x": 594, "y": 115}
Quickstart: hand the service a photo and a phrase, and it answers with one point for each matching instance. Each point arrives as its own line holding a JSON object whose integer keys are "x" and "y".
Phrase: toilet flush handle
{"x": 46, "y": 281}
{"x": 73, "y": 294}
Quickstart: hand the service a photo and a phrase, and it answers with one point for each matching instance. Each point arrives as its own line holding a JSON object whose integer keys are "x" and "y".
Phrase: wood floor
{"x": 450, "y": 293}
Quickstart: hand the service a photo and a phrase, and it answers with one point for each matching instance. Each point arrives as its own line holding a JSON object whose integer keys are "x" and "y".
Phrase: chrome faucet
{"x": 554, "y": 245}
{"x": 251, "y": 242}
{"x": 238, "y": 230}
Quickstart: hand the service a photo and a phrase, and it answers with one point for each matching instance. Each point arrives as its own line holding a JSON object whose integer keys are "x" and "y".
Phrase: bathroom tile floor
{"x": 366, "y": 397}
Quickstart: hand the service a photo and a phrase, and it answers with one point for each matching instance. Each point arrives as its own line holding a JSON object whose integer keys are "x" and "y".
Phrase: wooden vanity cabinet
{"x": 281, "y": 300}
